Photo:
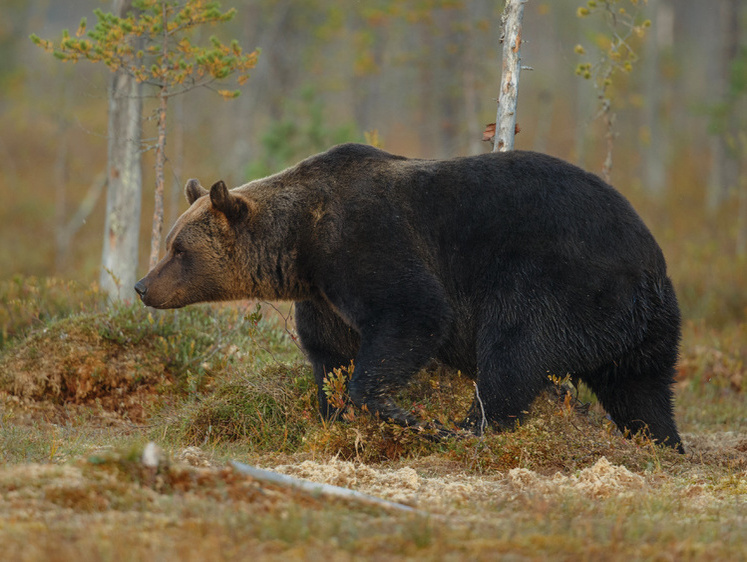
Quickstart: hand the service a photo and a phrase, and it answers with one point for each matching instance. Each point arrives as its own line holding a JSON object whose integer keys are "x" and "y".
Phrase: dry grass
{"x": 82, "y": 393}
{"x": 605, "y": 512}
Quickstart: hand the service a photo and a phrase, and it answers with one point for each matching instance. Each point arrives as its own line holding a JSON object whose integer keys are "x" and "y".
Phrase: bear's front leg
{"x": 329, "y": 343}
{"x": 392, "y": 351}
{"x": 400, "y": 311}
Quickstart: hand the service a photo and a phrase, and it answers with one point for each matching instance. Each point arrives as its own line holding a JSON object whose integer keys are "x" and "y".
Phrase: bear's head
{"x": 203, "y": 255}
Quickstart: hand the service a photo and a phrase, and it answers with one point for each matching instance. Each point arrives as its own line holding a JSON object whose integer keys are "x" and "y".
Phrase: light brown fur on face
{"x": 220, "y": 249}
{"x": 195, "y": 268}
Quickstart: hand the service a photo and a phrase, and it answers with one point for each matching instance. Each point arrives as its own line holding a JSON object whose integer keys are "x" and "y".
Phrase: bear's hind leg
{"x": 637, "y": 394}
{"x": 636, "y": 388}
{"x": 508, "y": 381}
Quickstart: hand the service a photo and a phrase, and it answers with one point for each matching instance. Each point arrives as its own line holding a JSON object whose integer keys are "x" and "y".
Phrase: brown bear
{"x": 512, "y": 267}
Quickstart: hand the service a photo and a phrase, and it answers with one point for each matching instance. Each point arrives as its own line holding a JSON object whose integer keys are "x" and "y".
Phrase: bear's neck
{"x": 277, "y": 277}
{"x": 271, "y": 267}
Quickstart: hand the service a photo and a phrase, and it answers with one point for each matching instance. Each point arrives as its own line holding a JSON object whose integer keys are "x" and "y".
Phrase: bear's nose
{"x": 140, "y": 289}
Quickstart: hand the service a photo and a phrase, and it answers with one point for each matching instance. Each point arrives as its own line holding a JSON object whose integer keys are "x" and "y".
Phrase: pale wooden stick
{"x": 317, "y": 489}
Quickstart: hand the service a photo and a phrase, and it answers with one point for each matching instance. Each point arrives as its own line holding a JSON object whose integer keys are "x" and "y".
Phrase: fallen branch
{"x": 318, "y": 489}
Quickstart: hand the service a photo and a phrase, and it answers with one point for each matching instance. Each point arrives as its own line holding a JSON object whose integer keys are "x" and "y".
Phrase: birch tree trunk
{"x": 124, "y": 182}
{"x": 505, "y": 128}
{"x": 656, "y": 146}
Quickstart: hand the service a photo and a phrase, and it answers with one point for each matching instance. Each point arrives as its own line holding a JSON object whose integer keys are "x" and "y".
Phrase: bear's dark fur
{"x": 511, "y": 267}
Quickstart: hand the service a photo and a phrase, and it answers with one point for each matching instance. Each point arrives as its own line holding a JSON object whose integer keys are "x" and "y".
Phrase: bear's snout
{"x": 141, "y": 289}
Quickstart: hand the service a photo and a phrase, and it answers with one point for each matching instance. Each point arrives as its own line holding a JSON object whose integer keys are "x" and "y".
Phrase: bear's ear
{"x": 193, "y": 190}
{"x": 233, "y": 206}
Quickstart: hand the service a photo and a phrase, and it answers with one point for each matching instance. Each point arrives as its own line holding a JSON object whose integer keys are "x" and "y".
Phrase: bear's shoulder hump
{"x": 353, "y": 150}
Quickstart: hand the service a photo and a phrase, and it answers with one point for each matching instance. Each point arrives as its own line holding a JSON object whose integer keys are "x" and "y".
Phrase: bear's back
{"x": 456, "y": 213}
{"x": 515, "y": 202}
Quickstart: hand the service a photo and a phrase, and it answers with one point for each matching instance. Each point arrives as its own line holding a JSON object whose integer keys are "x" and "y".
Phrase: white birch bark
{"x": 124, "y": 182}
{"x": 505, "y": 128}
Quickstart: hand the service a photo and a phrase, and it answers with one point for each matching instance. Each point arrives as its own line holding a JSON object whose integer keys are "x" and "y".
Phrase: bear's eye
{"x": 178, "y": 252}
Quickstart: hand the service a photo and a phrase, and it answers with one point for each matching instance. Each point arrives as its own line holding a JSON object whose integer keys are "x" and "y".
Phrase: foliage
{"x": 724, "y": 112}
{"x": 263, "y": 408}
{"x": 301, "y": 132}
{"x": 222, "y": 375}
{"x": 29, "y": 302}
{"x": 153, "y": 43}
{"x": 615, "y": 54}
{"x": 615, "y": 50}
{"x": 336, "y": 390}
{"x": 124, "y": 356}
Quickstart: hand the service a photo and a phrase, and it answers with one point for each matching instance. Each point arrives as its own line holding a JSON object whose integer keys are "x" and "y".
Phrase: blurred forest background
{"x": 422, "y": 78}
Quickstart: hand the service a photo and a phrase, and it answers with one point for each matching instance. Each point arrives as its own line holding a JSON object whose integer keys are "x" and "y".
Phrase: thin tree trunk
{"x": 163, "y": 96}
{"x": 583, "y": 103}
{"x": 723, "y": 176}
{"x": 427, "y": 107}
{"x": 67, "y": 230}
{"x": 655, "y": 148}
{"x": 505, "y": 129}
{"x": 177, "y": 159}
{"x": 546, "y": 108}
{"x": 124, "y": 182}
{"x": 60, "y": 206}
{"x": 471, "y": 112}
{"x": 741, "y": 242}
{"x": 447, "y": 101}
{"x": 155, "y": 240}
{"x": 609, "y": 136}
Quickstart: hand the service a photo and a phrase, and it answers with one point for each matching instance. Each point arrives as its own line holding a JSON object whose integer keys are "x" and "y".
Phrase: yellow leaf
{"x": 372, "y": 138}
{"x": 81, "y": 28}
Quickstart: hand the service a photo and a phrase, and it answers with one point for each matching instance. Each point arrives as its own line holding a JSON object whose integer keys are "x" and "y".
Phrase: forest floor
{"x": 83, "y": 390}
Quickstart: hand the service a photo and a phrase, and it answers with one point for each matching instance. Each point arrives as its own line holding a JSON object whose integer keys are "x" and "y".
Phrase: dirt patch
{"x": 93, "y": 415}
{"x": 71, "y": 364}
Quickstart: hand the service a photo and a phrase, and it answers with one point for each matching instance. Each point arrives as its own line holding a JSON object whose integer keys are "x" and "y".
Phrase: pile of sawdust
{"x": 603, "y": 479}
{"x": 194, "y": 456}
{"x": 405, "y": 485}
